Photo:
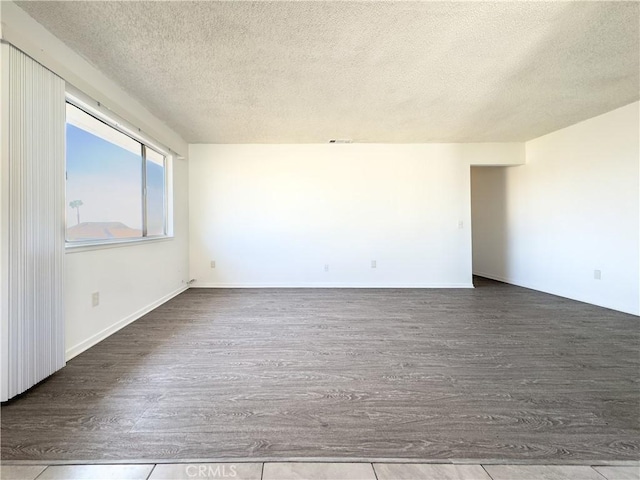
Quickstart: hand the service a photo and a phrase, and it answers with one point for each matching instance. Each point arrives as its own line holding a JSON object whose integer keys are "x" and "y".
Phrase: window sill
{"x": 77, "y": 247}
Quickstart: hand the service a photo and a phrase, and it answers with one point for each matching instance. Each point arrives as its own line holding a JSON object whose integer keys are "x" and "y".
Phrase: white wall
{"x": 131, "y": 279}
{"x": 274, "y": 215}
{"x": 572, "y": 209}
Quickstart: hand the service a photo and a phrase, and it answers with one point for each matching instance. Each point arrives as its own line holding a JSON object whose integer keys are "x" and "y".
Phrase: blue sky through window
{"x": 107, "y": 179}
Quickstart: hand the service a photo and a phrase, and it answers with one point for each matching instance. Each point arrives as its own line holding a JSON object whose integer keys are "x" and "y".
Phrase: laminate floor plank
{"x": 497, "y": 372}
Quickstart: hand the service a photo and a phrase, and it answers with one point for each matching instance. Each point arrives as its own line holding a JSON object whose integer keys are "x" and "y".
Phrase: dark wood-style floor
{"x": 498, "y": 372}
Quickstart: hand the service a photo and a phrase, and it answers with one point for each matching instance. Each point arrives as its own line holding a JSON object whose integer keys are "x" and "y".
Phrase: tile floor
{"x": 317, "y": 471}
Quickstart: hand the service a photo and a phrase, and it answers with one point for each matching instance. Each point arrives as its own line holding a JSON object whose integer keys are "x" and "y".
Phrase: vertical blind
{"x": 33, "y": 248}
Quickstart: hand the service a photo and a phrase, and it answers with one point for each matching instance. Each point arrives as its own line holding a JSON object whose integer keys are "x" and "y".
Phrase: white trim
{"x": 326, "y": 285}
{"x": 75, "y": 247}
{"x": 98, "y": 337}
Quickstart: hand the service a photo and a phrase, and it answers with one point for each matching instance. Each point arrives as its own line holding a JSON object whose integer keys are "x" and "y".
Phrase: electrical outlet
{"x": 326, "y": 267}
{"x": 597, "y": 274}
{"x": 95, "y": 299}
{"x": 213, "y": 264}
{"x": 461, "y": 224}
{"x": 374, "y": 264}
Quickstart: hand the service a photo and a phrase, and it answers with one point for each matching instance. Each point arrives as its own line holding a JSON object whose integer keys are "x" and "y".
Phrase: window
{"x": 116, "y": 185}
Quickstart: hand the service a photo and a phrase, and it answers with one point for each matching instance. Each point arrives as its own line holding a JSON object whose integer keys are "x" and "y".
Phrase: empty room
{"x": 320, "y": 240}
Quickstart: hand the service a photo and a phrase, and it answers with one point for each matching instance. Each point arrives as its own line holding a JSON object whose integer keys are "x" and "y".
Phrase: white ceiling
{"x": 307, "y": 72}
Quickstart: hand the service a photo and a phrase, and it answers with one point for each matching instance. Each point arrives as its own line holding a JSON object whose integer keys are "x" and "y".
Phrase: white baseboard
{"x": 98, "y": 337}
{"x": 299, "y": 285}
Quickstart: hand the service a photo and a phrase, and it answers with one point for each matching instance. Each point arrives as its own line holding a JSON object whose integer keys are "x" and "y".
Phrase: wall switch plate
{"x": 326, "y": 267}
{"x": 213, "y": 264}
{"x": 374, "y": 264}
{"x": 597, "y": 274}
{"x": 95, "y": 299}
{"x": 460, "y": 224}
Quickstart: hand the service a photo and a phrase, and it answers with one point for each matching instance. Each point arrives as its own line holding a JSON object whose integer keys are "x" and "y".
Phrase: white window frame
{"x": 98, "y": 111}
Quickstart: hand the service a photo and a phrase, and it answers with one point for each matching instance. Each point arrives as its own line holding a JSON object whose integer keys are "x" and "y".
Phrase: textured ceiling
{"x": 307, "y": 72}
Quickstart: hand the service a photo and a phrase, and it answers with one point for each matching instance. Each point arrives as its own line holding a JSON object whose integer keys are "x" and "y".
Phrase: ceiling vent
{"x": 341, "y": 140}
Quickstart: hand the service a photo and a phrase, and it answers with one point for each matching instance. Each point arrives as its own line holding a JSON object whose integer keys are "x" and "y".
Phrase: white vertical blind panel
{"x": 36, "y": 223}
